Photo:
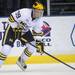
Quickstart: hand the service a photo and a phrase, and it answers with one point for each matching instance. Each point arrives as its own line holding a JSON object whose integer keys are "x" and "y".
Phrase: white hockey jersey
{"x": 23, "y": 16}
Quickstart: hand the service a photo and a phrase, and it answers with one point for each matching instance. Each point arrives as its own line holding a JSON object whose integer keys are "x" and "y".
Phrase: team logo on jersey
{"x": 72, "y": 36}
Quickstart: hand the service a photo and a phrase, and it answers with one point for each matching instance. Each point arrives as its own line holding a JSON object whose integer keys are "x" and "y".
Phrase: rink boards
{"x": 60, "y": 42}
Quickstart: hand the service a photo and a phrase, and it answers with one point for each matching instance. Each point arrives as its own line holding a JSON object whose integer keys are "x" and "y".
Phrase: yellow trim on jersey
{"x": 24, "y": 39}
{"x": 11, "y": 18}
{"x": 5, "y": 36}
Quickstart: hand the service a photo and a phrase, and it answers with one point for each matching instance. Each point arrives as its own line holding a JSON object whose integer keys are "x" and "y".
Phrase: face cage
{"x": 41, "y": 14}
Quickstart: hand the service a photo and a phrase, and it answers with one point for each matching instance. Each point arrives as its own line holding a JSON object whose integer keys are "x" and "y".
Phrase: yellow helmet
{"x": 38, "y": 5}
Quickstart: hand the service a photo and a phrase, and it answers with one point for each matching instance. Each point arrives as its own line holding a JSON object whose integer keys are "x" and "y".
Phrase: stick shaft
{"x": 55, "y": 58}
{"x": 59, "y": 60}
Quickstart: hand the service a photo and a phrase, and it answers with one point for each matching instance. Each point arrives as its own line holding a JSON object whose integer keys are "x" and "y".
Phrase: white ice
{"x": 38, "y": 69}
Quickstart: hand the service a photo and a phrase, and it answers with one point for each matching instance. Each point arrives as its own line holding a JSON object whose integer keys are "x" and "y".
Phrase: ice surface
{"x": 38, "y": 69}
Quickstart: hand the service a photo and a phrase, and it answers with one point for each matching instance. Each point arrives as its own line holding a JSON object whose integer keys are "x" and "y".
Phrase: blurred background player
{"x": 19, "y": 26}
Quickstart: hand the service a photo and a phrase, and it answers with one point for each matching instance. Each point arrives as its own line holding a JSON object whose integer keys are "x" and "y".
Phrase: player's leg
{"x": 7, "y": 44}
{"x": 4, "y": 52}
{"x": 28, "y": 51}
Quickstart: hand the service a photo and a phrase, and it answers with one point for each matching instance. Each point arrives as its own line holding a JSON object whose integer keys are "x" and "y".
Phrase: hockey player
{"x": 19, "y": 26}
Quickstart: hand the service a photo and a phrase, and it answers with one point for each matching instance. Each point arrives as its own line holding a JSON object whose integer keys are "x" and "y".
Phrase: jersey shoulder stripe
{"x": 11, "y": 18}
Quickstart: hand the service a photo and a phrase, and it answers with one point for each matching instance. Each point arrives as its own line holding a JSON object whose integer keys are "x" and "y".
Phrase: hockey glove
{"x": 40, "y": 47}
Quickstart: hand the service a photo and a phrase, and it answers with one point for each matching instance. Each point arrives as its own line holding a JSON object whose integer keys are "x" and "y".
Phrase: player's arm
{"x": 12, "y": 22}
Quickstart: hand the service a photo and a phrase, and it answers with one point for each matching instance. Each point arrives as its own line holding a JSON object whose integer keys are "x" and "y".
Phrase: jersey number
{"x": 18, "y": 14}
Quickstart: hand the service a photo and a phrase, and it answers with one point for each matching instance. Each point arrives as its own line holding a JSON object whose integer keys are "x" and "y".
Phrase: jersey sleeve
{"x": 14, "y": 18}
{"x": 12, "y": 22}
{"x": 19, "y": 16}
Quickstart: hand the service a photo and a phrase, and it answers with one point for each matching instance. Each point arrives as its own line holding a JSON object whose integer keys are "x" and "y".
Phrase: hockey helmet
{"x": 38, "y": 6}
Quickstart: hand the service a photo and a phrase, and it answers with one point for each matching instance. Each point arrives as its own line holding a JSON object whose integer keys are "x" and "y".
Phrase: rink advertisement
{"x": 58, "y": 39}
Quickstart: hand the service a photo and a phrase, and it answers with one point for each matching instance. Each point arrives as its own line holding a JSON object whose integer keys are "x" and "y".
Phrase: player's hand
{"x": 40, "y": 51}
{"x": 22, "y": 25}
{"x": 40, "y": 47}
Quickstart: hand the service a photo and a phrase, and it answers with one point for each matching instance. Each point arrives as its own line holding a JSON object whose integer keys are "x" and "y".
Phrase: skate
{"x": 21, "y": 64}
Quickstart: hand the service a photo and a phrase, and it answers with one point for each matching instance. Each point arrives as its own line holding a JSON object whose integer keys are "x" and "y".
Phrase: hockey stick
{"x": 59, "y": 60}
{"x": 55, "y": 58}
